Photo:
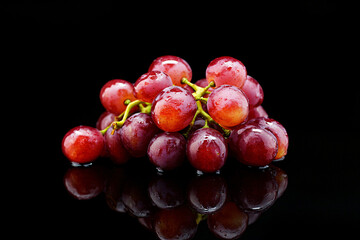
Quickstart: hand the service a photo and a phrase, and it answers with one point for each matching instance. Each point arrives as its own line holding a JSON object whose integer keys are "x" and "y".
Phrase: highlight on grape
{"x": 170, "y": 119}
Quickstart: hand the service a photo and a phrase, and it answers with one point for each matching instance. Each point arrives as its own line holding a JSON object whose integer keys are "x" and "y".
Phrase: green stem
{"x": 123, "y": 116}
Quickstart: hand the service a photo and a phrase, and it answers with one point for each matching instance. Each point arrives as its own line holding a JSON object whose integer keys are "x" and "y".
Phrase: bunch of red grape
{"x": 170, "y": 119}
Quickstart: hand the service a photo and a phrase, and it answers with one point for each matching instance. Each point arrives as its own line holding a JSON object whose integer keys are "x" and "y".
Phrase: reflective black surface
{"x": 172, "y": 204}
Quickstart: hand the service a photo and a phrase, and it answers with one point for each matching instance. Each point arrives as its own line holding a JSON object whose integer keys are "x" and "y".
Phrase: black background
{"x": 59, "y": 54}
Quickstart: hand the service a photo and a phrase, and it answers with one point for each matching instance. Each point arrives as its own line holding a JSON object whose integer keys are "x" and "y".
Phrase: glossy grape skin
{"x": 114, "y": 93}
{"x": 207, "y": 193}
{"x": 137, "y": 132}
{"x": 115, "y": 147}
{"x": 83, "y": 144}
{"x": 253, "y": 91}
{"x": 104, "y": 120}
{"x": 226, "y": 70}
{"x": 148, "y": 86}
{"x": 229, "y": 222}
{"x": 206, "y": 150}
{"x": 256, "y": 112}
{"x": 228, "y": 106}
{"x": 167, "y": 150}
{"x": 176, "y": 67}
{"x": 279, "y": 132}
{"x": 175, "y": 223}
{"x": 252, "y": 145}
{"x": 173, "y": 109}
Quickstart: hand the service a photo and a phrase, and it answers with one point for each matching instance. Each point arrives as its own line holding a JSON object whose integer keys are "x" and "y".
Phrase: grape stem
{"x": 198, "y": 95}
{"x": 124, "y": 115}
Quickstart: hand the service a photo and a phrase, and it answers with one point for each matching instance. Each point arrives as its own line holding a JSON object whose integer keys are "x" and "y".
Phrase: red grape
{"x": 105, "y": 119}
{"x": 229, "y": 222}
{"x": 115, "y": 147}
{"x": 148, "y": 86}
{"x": 279, "y": 132}
{"x": 226, "y": 70}
{"x": 137, "y": 132}
{"x": 253, "y": 91}
{"x": 114, "y": 93}
{"x": 206, "y": 150}
{"x": 83, "y": 144}
{"x": 253, "y": 145}
{"x": 173, "y": 109}
{"x": 176, "y": 67}
{"x": 167, "y": 150}
{"x": 256, "y": 112}
{"x": 228, "y": 106}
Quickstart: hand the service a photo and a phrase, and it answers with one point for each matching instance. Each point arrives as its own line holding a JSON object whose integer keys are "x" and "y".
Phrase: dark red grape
{"x": 253, "y": 91}
{"x": 256, "y": 112}
{"x": 114, "y": 93}
{"x": 83, "y": 144}
{"x": 206, "y": 150}
{"x": 228, "y": 106}
{"x": 105, "y": 119}
{"x": 253, "y": 145}
{"x": 115, "y": 147}
{"x": 167, "y": 150}
{"x": 175, "y": 223}
{"x": 173, "y": 109}
{"x": 176, "y": 67}
{"x": 229, "y": 222}
{"x": 226, "y": 70}
{"x": 279, "y": 132}
{"x": 148, "y": 86}
{"x": 137, "y": 132}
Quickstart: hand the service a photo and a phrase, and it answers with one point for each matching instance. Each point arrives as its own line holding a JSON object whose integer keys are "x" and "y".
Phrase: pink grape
{"x": 176, "y": 67}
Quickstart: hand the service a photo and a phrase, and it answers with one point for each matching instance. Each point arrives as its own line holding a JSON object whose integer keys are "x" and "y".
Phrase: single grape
{"x": 148, "y": 86}
{"x": 83, "y": 144}
{"x": 175, "y": 223}
{"x": 206, "y": 150}
{"x": 229, "y": 222}
{"x": 115, "y": 147}
{"x": 137, "y": 132}
{"x": 226, "y": 70}
{"x": 255, "y": 112}
{"x": 167, "y": 150}
{"x": 173, "y": 109}
{"x": 114, "y": 93}
{"x": 253, "y": 145}
{"x": 176, "y": 67}
{"x": 104, "y": 120}
{"x": 228, "y": 106}
{"x": 253, "y": 91}
{"x": 279, "y": 132}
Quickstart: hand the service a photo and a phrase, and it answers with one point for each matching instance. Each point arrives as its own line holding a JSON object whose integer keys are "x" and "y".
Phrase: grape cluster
{"x": 166, "y": 117}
